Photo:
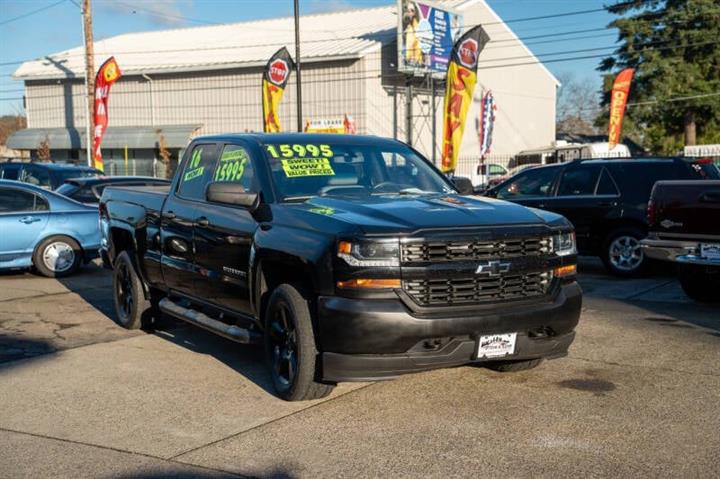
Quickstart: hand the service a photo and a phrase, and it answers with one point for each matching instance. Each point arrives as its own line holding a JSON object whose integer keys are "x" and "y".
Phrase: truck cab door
{"x": 178, "y": 217}
{"x": 223, "y": 236}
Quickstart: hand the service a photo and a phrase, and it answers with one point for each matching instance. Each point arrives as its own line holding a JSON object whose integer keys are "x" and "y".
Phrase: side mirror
{"x": 230, "y": 193}
{"x": 464, "y": 185}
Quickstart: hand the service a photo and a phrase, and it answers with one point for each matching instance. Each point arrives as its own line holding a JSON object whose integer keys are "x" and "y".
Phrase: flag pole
{"x": 297, "y": 68}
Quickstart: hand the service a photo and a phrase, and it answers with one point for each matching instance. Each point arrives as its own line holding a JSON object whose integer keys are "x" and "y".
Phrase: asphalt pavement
{"x": 639, "y": 395}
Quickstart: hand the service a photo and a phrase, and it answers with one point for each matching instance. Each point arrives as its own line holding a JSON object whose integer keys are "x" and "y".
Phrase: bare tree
{"x": 43, "y": 150}
{"x": 578, "y": 103}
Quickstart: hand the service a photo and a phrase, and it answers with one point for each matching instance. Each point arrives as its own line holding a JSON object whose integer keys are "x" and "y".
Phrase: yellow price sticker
{"x": 298, "y": 150}
{"x": 300, "y": 167}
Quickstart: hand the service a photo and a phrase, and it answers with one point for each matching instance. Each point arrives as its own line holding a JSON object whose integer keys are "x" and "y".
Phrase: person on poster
{"x": 411, "y": 20}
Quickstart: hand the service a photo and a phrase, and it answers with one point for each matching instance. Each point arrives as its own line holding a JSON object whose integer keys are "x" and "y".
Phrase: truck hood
{"x": 408, "y": 213}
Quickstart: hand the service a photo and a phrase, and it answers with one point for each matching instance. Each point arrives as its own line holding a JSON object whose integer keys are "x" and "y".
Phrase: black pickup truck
{"x": 684, "y": 227}
{"x": 351, "y": 258}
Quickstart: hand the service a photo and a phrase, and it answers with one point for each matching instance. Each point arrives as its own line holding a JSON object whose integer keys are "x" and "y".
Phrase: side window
{"x": 536, "y": 182}
{"x": 606, "y": 185}
{"x": 235, "y": 166}
{"x": 16, "y": 201}
{"x": 198, "y": 172}
{"x": 35, "y": 175}
{"x": 9, "y": 172}
{"x": 578, "y": 181}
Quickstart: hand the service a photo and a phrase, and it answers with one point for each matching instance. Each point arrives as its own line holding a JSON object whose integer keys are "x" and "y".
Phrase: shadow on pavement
{"x": 277, "y": 474}
{"x": 13, "y": 348}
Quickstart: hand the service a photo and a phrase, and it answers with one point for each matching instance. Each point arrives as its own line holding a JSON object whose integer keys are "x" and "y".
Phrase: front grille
{"x": 478, "y": 289}
{"x": 443, "y": 251}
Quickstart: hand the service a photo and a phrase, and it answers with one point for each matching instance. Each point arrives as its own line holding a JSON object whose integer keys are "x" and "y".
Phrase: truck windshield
{"x": 303, "y": 170}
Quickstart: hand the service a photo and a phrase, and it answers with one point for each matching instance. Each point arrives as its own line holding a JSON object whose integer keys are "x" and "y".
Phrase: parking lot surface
{"x": 639, "y": 395}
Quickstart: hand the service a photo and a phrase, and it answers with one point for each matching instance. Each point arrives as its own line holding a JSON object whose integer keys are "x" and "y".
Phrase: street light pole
{"x": 297, "y": 67}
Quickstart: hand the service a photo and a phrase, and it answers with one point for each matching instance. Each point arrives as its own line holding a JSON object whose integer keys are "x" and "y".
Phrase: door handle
{"x": 202, "y": 221}
{"x": 29, "y": 219}
{"x": 169, "y": 215}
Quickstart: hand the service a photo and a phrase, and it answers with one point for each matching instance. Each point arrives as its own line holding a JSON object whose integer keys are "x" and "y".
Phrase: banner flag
{"x": 275, "y": 77}
{"x": 487, "y": 122}
{"x": 618, "y": 101}
{"x": 461, "y": 79}
{"x": 108, "y": 74}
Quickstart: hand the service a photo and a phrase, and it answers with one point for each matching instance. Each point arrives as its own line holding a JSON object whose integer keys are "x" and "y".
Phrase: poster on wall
{"x": 426, "y": 34}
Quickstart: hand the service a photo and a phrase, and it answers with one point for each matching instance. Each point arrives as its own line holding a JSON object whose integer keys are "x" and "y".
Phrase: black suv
{"x": 606, "y": 200}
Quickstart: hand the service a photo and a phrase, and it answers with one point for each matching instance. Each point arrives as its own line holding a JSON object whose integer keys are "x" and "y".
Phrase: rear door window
{"x": 235, "y": 166}
{"x": 198, "y": 172}
{"x": 606, "y": 185}
{"x": 35, "y": 175}
{"x": 9, "y": 172}
{"x": 579, "y": 181}
{"x": 16, "y": 201}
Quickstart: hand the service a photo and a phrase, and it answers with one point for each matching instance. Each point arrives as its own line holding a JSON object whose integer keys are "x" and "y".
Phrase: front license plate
{"x": 496, "y": 345}
{"x": 710, "y": 251}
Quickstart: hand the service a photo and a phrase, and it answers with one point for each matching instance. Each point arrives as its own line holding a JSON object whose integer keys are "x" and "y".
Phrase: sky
{"x": 58, "y": 27}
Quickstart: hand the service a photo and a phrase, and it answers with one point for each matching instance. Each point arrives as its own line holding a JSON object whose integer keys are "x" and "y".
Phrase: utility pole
{"x": 297, "y": 67}
{"x": 89, "y": 78}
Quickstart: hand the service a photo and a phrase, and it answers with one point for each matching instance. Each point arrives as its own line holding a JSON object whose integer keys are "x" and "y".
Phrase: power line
{"x": 25, "y": 15}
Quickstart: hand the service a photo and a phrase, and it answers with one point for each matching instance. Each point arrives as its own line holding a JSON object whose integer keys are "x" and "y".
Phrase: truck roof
{"x": 304, "y": 137}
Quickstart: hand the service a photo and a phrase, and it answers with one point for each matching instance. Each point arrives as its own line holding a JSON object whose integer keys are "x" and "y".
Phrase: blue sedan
{"x": 45, "y": 230}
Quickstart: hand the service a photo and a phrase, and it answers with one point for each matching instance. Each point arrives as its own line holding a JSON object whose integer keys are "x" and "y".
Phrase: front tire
{"x": 57, "y": 256}
{"x": 132, "y": 309}
{"x": 622, "y": 254}
{"x": 290, "y": 346}
{"x": 700, "y": 283}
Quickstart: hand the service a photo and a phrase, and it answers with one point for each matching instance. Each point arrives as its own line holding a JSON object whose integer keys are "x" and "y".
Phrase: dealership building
{"x": 180, "y": 83}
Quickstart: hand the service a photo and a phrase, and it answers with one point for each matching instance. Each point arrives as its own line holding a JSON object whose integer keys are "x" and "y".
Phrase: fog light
{"x": 563, "y": 271}
{"x": 366, "y": 283}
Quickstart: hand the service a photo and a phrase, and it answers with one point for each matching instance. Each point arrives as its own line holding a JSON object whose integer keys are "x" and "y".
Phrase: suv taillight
{"x": 651, "y": 213}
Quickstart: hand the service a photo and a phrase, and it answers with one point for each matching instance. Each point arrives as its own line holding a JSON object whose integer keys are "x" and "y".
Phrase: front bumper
{"x": 678, "y": 251}
{"x": 365, "y": 340}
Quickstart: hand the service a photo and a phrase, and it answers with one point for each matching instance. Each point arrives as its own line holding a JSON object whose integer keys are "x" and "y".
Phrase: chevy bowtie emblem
{"x": 493, "y": 268}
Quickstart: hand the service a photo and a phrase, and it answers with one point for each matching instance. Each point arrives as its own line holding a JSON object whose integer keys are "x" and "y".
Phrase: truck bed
{"x": 150, "y": 197}
{"x": 689, "y": 208}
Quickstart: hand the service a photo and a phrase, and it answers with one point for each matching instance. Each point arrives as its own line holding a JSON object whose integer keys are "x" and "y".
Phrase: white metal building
{"x": 183, "y": 82}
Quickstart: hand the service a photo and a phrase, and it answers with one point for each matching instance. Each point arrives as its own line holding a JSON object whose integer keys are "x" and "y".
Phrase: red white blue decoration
{"x": 486, "y": 123}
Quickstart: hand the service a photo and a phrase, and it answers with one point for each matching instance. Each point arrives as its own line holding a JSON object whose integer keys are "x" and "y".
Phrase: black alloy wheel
{"x": 283, "y": 347}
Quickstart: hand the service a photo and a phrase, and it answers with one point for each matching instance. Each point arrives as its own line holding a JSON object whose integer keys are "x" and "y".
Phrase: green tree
{"x": 673, "y": 45}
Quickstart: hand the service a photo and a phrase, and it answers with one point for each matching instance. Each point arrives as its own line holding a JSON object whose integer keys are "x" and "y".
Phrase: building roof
{"x": 336, "y": 35}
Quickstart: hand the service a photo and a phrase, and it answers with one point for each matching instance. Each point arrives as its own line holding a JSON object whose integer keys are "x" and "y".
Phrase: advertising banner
{"x": 275, "y": 77}
{"x": 618, "y": 100}
{"x": 486, "y": 123}
{"x": 425, "y": 37}
{"x": 108, "y": 74}
{"x": 461, "y": 79}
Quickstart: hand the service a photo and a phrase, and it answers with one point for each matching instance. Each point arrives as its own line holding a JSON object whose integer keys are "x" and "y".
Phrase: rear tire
{"x": 57, "y": 256}
{"x": 290, "y": 346}
{"x": 513, "y": 366}
{"x": 132, "y": 309}
{"x": 621, "y": 252}
{"x": 700, "y": 282}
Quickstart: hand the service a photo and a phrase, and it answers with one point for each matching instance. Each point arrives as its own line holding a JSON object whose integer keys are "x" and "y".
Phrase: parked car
{"x": 485, "y": 172}
{"x": 45, "y": 175}
{"x": 89, "y": 189}
{"x": 604, "y": 199}
{"x": 45, "y": 230}
{"x": 684, "y": 227}
{"x": 351, "y": 258}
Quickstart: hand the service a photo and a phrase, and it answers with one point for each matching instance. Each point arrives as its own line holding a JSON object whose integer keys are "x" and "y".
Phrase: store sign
{"x": 426, "y": 34}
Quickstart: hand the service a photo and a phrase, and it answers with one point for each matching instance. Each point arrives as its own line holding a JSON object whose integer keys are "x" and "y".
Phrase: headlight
{"x": 564, "y": 243}
{"x": 370, "y": 253}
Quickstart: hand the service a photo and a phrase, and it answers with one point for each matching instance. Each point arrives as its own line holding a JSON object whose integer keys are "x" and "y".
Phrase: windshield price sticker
{"x": 232, "y": 165}
{"x": 299, "y": 167}
{"x": 298, "y": 150}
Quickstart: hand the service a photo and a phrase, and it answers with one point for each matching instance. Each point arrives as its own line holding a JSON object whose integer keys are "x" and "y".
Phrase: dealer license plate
{"x": 710, "y": 251}
{"x": 496, "y": 345}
